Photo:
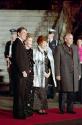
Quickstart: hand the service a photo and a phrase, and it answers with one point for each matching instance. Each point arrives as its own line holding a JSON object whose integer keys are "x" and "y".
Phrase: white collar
{"x": 20, "y": 39}
{"x": 50, "y": 40}
{"x": 42, "y": 50}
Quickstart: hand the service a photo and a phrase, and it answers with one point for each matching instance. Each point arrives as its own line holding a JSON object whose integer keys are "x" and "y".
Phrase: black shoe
{"x": 45, "y": 113}
{"x": 20, "y": 117}
{"x": 36, "y": 111}
{"x": 29, "y": 114}
{"x": 71, "y": 112}
{"x": 41, "y": 113}
{"x": 62, "y": 112}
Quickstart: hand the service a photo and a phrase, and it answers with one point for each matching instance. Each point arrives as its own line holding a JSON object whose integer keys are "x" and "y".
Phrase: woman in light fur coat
{"x": 43, "y": 67}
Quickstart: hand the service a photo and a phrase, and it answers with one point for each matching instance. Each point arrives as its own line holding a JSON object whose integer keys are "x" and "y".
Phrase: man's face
{"x": 69, "y": 39}
{"x": 23, "y": 34}
{"x": 13, "y": 36}
{"x": 51, "y": 36}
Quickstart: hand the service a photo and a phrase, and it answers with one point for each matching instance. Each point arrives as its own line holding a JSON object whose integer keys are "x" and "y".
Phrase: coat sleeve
{"x": 57, "y": 61}
{"x": 20, "y": 58}
{"x": 6, "y": 50}
{"x": 79, "y": 66}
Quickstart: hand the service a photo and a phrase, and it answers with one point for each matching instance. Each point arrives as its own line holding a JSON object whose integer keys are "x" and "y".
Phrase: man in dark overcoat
{"x": 67, "y": 72}
{"x": 20, "y": 73}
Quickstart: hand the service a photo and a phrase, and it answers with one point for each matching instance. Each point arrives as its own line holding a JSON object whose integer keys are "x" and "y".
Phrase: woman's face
{"x": 43, "y": 44}
{"x": 79, "y": 42}
{"x": 28, "y": 42}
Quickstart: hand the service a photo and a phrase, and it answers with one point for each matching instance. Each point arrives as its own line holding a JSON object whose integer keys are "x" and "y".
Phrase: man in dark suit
{"x": 20, "y": 73}
{"x": 52, "y": 42}
{"x": 8, "y": 57}
{"x": 67, "y": 73}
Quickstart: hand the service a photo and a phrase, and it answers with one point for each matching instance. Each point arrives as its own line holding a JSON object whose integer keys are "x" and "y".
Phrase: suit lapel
{"x": 66, "y": 49}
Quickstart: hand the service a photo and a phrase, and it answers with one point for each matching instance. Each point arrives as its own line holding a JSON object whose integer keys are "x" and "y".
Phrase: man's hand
{"x": 79, "y": 77}
{"x": 58, "y": 78}
{"x": 8, "y": 62}
{"x": 24, "y": 74}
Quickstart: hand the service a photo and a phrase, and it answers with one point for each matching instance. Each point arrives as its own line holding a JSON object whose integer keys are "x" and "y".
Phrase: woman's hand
{"x": 47, "y": 74}
{"x": 24, "y": 74}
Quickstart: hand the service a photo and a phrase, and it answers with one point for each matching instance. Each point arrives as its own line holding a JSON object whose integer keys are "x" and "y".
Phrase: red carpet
{"x": 53, "y": 115}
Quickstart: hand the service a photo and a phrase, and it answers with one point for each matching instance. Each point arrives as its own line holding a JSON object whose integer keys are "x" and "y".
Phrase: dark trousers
{"x": 11, "y": 81}
{"x": 66, "y": 97}
{"x": 29, "y": 97}
{"x": 19, "y": 94}
{"x": 80, "y": 87}
{"x": 51, "y": 88}
{"x": 80, "y": 91}
{"x": 40, "y": 98}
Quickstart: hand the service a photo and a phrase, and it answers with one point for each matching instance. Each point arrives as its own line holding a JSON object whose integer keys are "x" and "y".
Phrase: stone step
{"x": 37, "y": 22}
